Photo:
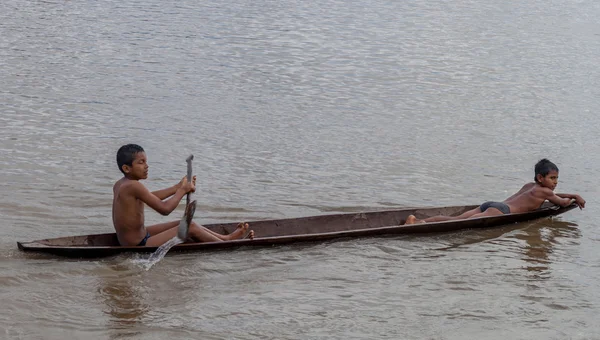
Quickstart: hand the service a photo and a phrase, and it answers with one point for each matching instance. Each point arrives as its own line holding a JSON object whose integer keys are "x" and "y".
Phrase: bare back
{"x": 530, "y": 197}
{"x": 128, "y": 213}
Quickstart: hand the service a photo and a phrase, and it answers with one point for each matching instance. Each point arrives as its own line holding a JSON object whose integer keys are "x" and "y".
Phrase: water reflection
{"x": 541, "y": 238}
{"x": 124, "y": 302}
{"x": 536, "y": 241}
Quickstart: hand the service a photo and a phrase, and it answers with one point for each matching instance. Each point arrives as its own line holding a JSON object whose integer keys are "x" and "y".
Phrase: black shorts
{"x": 143, "y": 242}
{"x": 498, "y": 205}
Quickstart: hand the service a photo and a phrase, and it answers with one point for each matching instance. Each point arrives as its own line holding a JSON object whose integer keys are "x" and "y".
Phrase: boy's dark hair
{"x": 543, "y": 167}
{"x": 126, "y": 155}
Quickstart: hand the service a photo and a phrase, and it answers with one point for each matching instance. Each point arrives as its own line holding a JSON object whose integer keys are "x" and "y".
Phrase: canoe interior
{"x": 288, "y": 227}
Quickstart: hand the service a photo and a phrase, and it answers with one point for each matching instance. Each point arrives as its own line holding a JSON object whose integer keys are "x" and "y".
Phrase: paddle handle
{"x": 189, "y": 176}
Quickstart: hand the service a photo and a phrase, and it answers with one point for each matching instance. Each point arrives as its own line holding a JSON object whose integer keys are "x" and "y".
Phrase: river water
{"x": 295, "y": 109}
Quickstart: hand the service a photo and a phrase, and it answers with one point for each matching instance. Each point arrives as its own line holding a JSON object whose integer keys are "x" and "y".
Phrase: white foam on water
{"x": 158, "y": 254}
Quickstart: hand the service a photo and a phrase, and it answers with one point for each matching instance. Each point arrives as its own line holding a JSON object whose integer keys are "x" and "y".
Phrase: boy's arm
{"x": 168, "y": 192}
{"x": 165, "y": 193}
{"x": 559, "y": 200}
{"x": 578, "y": 199}
{"x": 567, "y": 195}
{"x": 142, "y": 193}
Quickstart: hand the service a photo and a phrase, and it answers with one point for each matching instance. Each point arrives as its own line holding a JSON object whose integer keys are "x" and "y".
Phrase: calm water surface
{"x": 295, "y": 109}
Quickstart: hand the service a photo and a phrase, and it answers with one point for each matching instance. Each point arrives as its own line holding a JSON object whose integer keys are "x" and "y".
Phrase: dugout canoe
{"x": 303, "y": 229}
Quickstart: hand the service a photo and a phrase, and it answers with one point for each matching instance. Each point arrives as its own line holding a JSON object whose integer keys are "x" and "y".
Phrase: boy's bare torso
{"x": 128, "y": 213}
{"x": 530, "y": 197}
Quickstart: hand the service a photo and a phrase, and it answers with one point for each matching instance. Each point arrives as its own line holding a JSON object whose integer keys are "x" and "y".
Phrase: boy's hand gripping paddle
{"x": 190, "y": 208}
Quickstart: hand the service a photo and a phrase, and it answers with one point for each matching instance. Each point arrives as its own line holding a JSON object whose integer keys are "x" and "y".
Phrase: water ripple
{"x": 294, "y": 109}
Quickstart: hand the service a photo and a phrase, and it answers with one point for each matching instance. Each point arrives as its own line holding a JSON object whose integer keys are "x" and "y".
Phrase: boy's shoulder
{"x": 541, "y": 190}
{"x": 125, "y": 184}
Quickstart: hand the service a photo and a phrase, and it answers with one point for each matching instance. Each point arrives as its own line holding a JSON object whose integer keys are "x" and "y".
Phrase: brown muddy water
{"x": 294, "y": 109}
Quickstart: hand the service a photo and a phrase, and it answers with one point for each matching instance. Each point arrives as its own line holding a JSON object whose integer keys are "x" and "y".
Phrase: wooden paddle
{"x": 190, "y": 208}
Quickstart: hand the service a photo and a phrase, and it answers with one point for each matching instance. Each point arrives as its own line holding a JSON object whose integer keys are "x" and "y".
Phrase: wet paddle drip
{"x": 159, "y": 253}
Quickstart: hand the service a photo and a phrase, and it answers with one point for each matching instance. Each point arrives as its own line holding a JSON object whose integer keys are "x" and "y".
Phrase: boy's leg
{"x": 462, "y": 216}
{"x": 468, "y": 214}
{"x": 163, "y": 232}
{"x": 488, "y": 212}
{"x": 202, "y": 234}
{"x": 159, "y": 228}
{"x": 241, "y": 230}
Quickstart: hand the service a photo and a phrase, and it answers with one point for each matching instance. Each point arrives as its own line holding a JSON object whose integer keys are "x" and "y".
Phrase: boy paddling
{"x": 130, "y": 196}
{"x": 530, "y": 197}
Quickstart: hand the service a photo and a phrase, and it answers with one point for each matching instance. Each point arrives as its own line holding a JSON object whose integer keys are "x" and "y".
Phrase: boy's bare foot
{"x": 250, "y": 235}
{"x": 411, "y": 219}
{"x": 241, "y": 230}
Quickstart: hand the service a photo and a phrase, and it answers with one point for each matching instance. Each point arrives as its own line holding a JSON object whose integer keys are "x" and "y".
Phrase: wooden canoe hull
{"x": 303, "y": 229}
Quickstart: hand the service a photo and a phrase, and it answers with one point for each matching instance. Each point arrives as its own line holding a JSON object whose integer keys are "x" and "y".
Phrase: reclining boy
{"x": 530, "y": 197}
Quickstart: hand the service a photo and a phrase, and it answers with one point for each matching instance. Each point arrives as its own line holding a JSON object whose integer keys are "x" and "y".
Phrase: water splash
{"x": 158, "y": 254}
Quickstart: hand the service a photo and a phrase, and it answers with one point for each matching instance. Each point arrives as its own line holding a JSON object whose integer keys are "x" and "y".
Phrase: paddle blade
{"x": 184, "y": 224}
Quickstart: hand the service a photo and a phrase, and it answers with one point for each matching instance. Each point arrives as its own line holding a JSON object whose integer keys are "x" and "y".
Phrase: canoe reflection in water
{"x": 541, "y": 239}
{"x": 534, "y": 241}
